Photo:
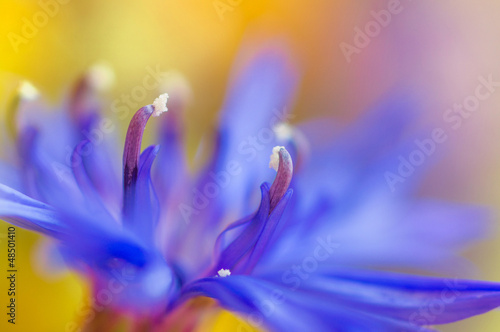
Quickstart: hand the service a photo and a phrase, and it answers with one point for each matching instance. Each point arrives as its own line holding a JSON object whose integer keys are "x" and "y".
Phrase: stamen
{"x": 295, "y": 140}
{"x": 133, "y": 142}
{"x": 245, "y": 250}
{"x": 25, "y": 92}
{"x": 160, "y": 105}
{"x": 224, "y": 273}
{"x": 101, "y": 77}
{"x": 179, "y": 89}
{"x": 83, "y": 104}
{"x": 282, "y": 163}
{"x": 283, "y": 132}
{"x": 275, "y": 158}
{"x": 179, "y": 97}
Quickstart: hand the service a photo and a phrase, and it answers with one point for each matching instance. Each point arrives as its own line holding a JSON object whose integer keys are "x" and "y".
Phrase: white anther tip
{"x": 275, "y": 158}
{"x": 101, "y": 76}
{"x": 224, "y": 273}
{"x": 160, "y": 104}
{"x": 178, "y": 86}
{"x": 283, "y": 131}
{"x": 28, "y": 91}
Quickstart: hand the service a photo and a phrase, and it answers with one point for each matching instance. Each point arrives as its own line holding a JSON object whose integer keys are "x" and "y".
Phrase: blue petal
{"x": 45, "y": 179}
{"x": 343, "y": 194}
{"x": 258, "y": 99}
{"x": 265, "y": 85}
{"x": 25, "y": 212}
{"x": 248, "y": 236}
{"x": 419, "y": 300}
{"x": 94, "y": 241}
{"x": 267, "y": 304}
{"x": 10, "y": 176}
{"x": 57, "y": 134}
{"x": 142, "y": 290}
{"x": 97, "y": 241}
{"x": 171, "y": 171}
{"x": 350, "y": 301}
{"x": 103, "y": 167}
{"x": 337, "y": 167}
{"x": 93, "y": 200}
{"x": 382, "y": 230}
{"x": 255, "y": 237}
{"x": 146, "y": 210}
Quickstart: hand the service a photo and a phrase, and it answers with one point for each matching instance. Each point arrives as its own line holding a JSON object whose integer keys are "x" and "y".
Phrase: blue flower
{"x": 310, "y": 253}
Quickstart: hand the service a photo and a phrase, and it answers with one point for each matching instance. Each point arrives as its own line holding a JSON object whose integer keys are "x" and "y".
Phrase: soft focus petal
{"x": 28, "y": 213}
{"x": 267, "y": 304}
{"x": 350, "y": 301}
{"x": 259, "y": 98}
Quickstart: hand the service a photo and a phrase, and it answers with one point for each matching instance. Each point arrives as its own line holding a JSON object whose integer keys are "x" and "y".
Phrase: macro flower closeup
{"x": 232, "y": 165}
{"x": 313, "y": 249}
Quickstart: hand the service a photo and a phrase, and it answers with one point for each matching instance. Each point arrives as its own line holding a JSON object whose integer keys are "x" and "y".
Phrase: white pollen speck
{"x": 224, "y": 273}
{"x": 28, "y": 91}
{"x": 160, "y": 104}
{"x": 275, "y": 158}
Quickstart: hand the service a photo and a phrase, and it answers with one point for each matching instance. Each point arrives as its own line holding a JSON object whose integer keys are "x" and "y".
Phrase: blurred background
{"x": 436, "y": 50}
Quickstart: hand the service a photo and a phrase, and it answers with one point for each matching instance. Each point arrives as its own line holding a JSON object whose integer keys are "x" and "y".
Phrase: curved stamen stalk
{"x": 282, "y": 163}
{"x": 82, "y": 102}
{"x": 132, "y": 148}
{"x": 25, "y": 92}
{"x": 244, "y": 252}
{"x": 296, "y": 140}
